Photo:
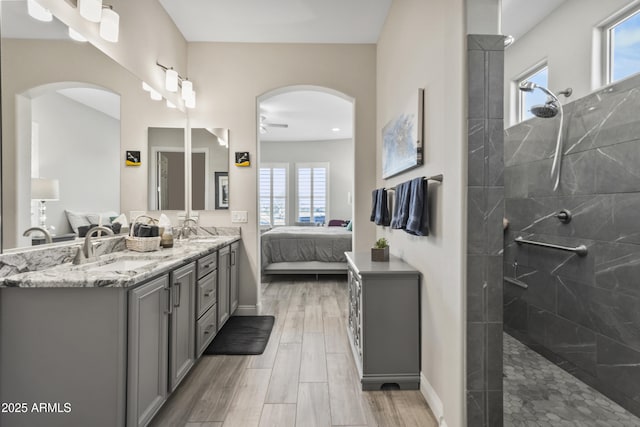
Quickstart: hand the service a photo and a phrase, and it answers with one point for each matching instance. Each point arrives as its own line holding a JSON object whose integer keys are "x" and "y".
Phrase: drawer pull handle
{"x": 208, "y": 294}
{"x": 206, "y": 331}
{"x": 208, "y": 265}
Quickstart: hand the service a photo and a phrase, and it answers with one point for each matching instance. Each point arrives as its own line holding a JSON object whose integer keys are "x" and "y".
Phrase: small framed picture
{"x": 242, "y": 159}
{"x": 133, "y": 158}
{"x": 222, "y": 190}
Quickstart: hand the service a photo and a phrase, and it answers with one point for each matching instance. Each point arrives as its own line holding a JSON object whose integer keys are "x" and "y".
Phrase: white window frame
{"x": 519, "y": 94}
{"x": 272, "y": 166}
{"x": 607, "y": 42}
{"x": 327, "y": 188}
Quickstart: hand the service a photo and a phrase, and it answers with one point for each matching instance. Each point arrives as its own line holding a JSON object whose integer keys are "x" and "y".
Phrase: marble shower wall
{"x": 582, "y": 312}
{"x": 485, "y": 204}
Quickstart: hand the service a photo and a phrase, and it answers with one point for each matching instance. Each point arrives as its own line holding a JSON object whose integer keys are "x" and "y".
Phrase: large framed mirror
{"x": 70, "y": 115}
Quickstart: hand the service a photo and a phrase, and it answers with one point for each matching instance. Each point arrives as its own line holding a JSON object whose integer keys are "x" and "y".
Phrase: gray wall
{"x": 581, "y": 310}
{"x": 485, "y": 204}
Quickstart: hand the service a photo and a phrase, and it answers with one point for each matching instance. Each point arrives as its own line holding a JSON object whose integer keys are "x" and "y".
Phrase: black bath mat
{"x": 242, "y": 335}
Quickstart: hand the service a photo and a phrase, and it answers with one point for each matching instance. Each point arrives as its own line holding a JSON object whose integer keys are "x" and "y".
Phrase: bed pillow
{"x": 350, "y": 226}
{"x": 77, "y": 219}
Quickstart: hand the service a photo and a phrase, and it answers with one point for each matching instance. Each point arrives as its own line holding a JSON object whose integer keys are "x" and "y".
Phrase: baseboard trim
{"x": 246, "y": 310}
{"x": 433, "y": 400}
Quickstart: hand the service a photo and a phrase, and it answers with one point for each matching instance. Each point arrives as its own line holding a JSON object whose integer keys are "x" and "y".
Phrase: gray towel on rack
{"x": 382, "y": 216}
{"x": 374, "y": 204}
{"x": 401, "y": 206}
{"x": 418, "y": 221}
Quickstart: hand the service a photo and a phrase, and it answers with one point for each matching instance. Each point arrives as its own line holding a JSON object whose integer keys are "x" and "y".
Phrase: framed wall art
{"x": 402, "y": 139}
{"x": 222, "y": 190}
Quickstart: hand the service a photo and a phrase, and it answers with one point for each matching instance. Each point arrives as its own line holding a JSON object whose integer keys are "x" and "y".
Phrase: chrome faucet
{"x": 86, "y": 253}
{"x": 187, "y": 230}
{"x": 47, "y": 235}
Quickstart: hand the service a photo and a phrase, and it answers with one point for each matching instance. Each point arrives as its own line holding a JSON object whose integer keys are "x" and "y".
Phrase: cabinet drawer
{"x": 206, "y": 329}
{"x": 207, "y": 264}
{"x": 206, "y": 293}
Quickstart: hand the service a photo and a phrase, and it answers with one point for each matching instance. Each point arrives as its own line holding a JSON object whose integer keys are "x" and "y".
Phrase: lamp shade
{"x": 191, "y": 101}
{"x": 109, "y": 25}
{"x": 45, "y": 189}
{"x": 187, "y": 88}
{"x": 171, "y": 82}
{"x": 90, "y": 10}
{"x": 38, "y": 12}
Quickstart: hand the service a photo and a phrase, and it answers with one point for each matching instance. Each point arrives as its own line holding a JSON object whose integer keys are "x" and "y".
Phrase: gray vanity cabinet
{"x": 224, "y": 275}
{"x": 234, "y": 278}
{"x": 384, "y": 321}
{"x": 148, "y": 350}
{"x": 182, "y": 328}
{"x": 207, "y": 315}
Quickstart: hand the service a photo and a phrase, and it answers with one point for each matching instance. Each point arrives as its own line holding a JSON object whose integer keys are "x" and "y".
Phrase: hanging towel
{"x": 374, "y": 204}
{"x": 418, "y": 220}
{"x": 382, "y": 216}
{"x": 401, "y": 206}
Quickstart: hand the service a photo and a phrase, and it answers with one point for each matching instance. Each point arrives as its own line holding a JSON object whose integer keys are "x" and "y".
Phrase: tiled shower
{"x": 581, "y": 312}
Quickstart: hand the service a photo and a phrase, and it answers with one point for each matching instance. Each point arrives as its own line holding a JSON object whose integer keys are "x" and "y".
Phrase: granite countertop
{"x": 136, "y": 266}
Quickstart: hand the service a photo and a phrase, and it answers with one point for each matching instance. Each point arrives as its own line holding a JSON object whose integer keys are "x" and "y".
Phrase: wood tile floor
{"x": 306, "y": 377}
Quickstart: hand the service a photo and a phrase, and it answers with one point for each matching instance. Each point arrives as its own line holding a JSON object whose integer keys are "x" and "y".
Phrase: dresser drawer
{"x": 207, "y": 264}
{"x": 206, "y": 293}
{"x": 206, "y": 329}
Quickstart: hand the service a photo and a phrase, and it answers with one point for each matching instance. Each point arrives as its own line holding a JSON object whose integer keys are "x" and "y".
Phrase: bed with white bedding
{"x": 305, "y": 250}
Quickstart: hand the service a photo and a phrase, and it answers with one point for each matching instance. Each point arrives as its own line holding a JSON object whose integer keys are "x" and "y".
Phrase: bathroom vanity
{"x": 106, "y": 343}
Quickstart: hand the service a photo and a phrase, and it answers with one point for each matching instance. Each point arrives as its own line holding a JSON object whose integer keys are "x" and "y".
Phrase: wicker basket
{"x": 143, "y": 244}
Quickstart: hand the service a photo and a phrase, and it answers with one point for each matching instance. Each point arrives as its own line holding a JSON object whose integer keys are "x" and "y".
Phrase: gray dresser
{"x": 384, "y": 321}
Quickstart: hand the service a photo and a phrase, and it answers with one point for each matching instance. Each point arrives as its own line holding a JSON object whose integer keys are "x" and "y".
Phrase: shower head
{"x": 546, "y": 111}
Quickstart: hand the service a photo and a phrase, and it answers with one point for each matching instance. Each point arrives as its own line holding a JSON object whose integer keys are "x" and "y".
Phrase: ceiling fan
{"x": 264, "y": 125}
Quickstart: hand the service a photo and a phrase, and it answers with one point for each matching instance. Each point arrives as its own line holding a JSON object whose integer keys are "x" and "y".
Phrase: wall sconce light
{"x": 173, "y": 80}
{"x": 110, "y": 24}
{"x": 91, "y": 10}
{"x": 36, "y": 11}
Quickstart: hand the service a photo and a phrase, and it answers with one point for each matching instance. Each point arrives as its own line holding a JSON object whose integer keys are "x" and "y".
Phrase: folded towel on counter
{"x": 418, "y": 219}
{"x": 382, "y": 216}
{"x": 401, "y": 206}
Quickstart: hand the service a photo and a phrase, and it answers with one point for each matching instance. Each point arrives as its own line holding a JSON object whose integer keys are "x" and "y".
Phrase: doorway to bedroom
{"x": 305, "y": 181}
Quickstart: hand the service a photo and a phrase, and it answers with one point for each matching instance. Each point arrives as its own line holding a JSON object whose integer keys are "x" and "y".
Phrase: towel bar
{"x": 438, "y": 178}
{"x": 581, "y": 250}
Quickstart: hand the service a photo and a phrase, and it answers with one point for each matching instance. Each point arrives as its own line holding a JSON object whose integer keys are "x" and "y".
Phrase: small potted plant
{"x": 380, "y": 252}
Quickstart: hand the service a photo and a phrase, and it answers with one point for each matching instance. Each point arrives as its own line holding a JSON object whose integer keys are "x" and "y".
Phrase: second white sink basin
{"x": 122, "y": 265}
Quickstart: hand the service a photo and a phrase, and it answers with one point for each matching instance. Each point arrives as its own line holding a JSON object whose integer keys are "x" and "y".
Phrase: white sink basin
{"x": 122, "y": 265}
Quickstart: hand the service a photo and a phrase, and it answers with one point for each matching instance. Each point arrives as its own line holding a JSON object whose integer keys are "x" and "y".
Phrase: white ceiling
{"x": 519, "y": 16}
{"x": 311, "y": 116}
{"x": 279, "y": 21}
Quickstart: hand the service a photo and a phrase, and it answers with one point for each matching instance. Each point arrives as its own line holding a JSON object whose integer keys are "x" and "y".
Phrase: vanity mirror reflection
{"x": 69, "y": 113}
{"x": 209, "y": 169}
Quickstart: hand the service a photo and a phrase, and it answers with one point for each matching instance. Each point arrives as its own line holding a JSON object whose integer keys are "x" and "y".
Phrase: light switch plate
{"x": 239, "y": 216}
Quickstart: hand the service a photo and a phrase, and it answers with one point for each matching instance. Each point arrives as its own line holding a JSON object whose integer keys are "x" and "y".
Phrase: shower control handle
{"x": 564, "y": 216}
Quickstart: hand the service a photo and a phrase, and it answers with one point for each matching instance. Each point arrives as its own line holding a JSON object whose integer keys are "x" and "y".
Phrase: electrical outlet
{"x": 239, "y": 216}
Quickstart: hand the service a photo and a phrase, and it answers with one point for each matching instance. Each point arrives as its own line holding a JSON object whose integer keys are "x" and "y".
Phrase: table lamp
{"x": 45, "y": 190}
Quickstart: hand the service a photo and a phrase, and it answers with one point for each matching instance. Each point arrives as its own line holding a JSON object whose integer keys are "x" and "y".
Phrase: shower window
{"x": 623, "y": 47}
{"x": 526, "y": 100}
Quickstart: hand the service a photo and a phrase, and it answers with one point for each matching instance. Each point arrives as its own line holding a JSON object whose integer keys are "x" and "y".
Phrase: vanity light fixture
{"x": 191, "y": 102}
{"x": 171, "y": 80}
{"x": 91, "y": 10}
{"x": 36, "y": 11}
{"x": 109, "y": 24}
{"x": 187, "y": 89}
{"x": 74, "y": 35}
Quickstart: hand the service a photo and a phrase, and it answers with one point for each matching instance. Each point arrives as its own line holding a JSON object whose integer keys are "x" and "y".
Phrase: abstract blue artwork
{"x": 402, "y": 141}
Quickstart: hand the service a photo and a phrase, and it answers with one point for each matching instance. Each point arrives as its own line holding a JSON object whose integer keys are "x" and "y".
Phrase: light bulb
{"x": 187, "y": 88}
{"x": 36, "y": 11}
{"x": 171, "y": 81}
{"x": 74, "y": 35}
{"x": 109, "y": 25}
{"x": 90, "y": 10}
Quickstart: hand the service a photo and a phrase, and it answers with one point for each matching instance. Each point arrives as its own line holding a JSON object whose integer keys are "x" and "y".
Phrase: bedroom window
{"x": 312, "y": 186}
{"x": 273, "y": 194}
{"x": 622, "y": 46}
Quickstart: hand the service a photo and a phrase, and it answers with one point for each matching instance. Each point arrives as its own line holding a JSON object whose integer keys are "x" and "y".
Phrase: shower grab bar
{"x": 581, "y": 250}
{"x": 516, "y": 282}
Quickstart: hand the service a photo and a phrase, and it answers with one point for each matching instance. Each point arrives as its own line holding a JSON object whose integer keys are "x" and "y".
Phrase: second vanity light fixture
{"x": 173, "y": 81}
{"x": 95, "y": 11}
